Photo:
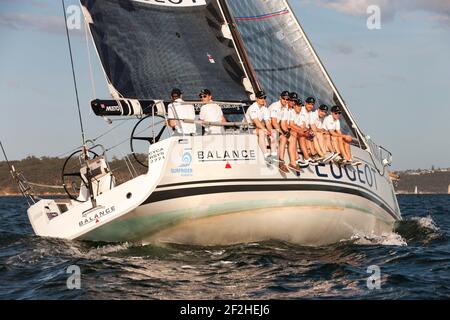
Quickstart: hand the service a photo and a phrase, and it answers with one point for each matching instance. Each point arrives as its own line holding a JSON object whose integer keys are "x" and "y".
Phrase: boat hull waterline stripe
{"x": 187, "y": 192}
{"x": 376, "y": 196}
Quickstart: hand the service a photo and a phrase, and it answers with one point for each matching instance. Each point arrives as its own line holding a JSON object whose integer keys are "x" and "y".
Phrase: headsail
{"x": 147, "y": 47}
{"x": 281, "y": 54}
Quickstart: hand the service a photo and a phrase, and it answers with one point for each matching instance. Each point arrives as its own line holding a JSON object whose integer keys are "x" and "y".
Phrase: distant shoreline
{"x": 63, "y": 194}
{"x": 422, "y": 194}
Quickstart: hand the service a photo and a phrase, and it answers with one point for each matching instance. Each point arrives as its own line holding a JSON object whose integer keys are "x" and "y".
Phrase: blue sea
{"x": 412, "y": 263}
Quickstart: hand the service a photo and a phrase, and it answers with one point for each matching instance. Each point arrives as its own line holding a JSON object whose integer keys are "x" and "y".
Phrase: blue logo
{"x": 186, "y": 160}
{"x": 185, "y": 168}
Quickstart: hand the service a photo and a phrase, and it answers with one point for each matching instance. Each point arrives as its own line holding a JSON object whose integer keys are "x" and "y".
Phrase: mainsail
{"x": 148, "y": 47}
{"x": 281, "y": 55}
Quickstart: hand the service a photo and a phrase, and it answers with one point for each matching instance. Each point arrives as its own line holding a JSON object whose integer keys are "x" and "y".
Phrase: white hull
{"x": 307, "y": 218}
{"x": 202, "y": 198}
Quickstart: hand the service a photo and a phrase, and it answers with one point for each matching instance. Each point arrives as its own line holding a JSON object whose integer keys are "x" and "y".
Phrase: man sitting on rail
{"x": 258, "y": 116}
{"x": 321, "y": 138}
{"x": 279, "y": 131}
{"x": 340, "y": 141}
{"x": 299, "y": 135}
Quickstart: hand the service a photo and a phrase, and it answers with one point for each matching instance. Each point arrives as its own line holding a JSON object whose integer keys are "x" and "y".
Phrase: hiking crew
{"x": 339, "y": 141}
{"x": 258, "y": 116}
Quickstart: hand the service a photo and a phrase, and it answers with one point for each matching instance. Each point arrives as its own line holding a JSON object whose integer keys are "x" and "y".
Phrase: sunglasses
{"x": 284, "y": 98}
{"x": 262, "y": 97}
{"x": 202, "y": 95}
{"x": 337, "y": 112}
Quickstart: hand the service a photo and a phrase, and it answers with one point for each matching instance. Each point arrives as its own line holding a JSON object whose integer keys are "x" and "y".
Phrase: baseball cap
{"x": 205, "y": 91}
{"x": 261, "y": 94}
{"x": 310, "y": 100}
{"x": 293, "y": 96}
{"x": 284, "y": 94}
{"x": 323, "y": 107}
{"x": 336, "y": 109}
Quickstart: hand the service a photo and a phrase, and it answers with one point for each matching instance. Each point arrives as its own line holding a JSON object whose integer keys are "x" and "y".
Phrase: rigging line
{"x": 130, "y": 166}
{"x": 66, "y": 153}
{"x": 125, "y": 157}
{"x": 123, "y": 141}
{"x": 91, "y": 73}
{"x": 6, "y": 157}
{"x": 108, "y": 131}
{"x": 263, "y": 16}
{"x": 96, "y": 138}
{"x": 73, "y": 74}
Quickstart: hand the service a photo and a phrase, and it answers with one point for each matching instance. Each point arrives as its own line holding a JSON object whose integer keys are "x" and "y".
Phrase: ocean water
{"x": 413, "y": 263}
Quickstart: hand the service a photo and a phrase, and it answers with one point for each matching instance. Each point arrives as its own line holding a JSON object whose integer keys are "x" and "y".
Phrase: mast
{"x": 347, "y": 112}
{"x": 239, "y": 45}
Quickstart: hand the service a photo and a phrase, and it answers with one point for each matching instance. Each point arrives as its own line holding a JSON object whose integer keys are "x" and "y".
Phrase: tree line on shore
{"x": 47, "y": 171}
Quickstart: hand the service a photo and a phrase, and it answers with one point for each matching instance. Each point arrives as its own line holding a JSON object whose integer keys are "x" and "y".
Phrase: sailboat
{"x": 213, "y": 189}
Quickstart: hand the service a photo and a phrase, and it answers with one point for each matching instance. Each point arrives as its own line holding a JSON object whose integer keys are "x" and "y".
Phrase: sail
{"x": 148, "y": 47}
{"x": 281, "y": 55}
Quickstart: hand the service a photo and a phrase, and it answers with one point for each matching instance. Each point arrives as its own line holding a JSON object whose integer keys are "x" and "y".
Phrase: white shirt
{"x": 182, "y": 111}
{"x": 212, "y": 112}
{"x": 319, "y": 122}
{"x": 310, "y": 117}
{"x": 330, "y": 124}
{"x": 287, "y": 114}
{"x": 276, "y": 110}
{"x": 257, "y": 112}
{"x": 297, "y": 118}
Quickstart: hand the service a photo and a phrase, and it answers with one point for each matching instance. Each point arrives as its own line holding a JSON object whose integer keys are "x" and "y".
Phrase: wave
{"x": 420, "y": 229}
{"x": 415, "y": 229}
{"x": 385, "y": 239}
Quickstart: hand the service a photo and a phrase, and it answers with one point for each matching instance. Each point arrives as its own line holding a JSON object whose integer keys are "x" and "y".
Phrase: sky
{"x": 395, "y": 80}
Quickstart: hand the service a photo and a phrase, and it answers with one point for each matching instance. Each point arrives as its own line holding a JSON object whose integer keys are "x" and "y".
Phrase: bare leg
{"x": 342, "y": 148}
{"x": 335, "y": 145}
{"x": 304, "y": 148}
{"x": 282, "y": 147}
{"x": 262, "y": 141}
{"x": 293, "y": 155}
{"x": 310, "y": 146}
{"x": 346, "y": 141}
{"x": 274, "y": 142}
{"x": 320, "y": 145}
{"x": 347, "y": 151}
{"x": 328, "y": 144}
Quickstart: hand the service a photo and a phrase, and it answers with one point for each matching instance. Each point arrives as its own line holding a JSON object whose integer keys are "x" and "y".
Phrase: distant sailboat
{"x": 416, "y": 190}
